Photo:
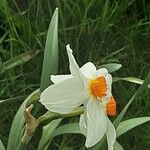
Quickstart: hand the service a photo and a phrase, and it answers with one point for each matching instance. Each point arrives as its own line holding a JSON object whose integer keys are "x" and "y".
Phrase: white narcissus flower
{"x": 89, "y": 87}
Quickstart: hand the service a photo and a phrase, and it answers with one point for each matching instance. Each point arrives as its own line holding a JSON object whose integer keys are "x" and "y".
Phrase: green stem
{"x": 49, "y": 116}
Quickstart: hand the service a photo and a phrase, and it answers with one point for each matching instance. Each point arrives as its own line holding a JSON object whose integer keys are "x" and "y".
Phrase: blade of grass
{"x": 16, "y": 61}
{"x": 13, "y": 99}
{"x": 2, "y": 38}
{"x": 50, "y": 62}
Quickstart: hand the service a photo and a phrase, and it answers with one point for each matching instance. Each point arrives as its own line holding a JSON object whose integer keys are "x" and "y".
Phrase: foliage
{"x": 104, "y": 32}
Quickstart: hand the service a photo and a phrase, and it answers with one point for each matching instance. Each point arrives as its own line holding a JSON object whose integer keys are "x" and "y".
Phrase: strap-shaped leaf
{"x": 1, "y": 146}
{"x": 135, "y": 96}
{"x": 130, "y": 79}
{"x": 47, "y": 134}
{"x": 117, "y": 146}
{"x": 67, "y": 128}
{"x": 112, "y": 67}
{"x": 16, "y": 130}
{"x": 127, "y": 125}
{"x": 50, "y": 62}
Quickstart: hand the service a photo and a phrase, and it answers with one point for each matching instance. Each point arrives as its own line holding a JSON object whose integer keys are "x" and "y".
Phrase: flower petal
{"x": 89, "y": 70}
{"x": 110, "y": 134}
{"x": 63, "y": 97}
{"x": 82, "y": 124}
{"x": 59, "y": 78}
{"x": 102, "y": 72}
{"x": 108, "y": 92}
{"x": 96, "y": 123}
{"x": 109, "y": 82}
{"x": 74, "y": 68}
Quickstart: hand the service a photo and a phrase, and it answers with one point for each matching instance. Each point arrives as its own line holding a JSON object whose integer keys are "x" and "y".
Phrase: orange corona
{"x": 98, "y": 87}
{"x": 111, "y": 107}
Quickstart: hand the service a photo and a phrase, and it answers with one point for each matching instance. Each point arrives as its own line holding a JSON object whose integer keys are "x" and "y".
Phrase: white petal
{"x": 89, "y": 70}
{"x": 108, "y": 92}
{"x": 59, "y": 78}
{"x": 102, "y": 72}
{"x": 63, "y": 97}
{"x": 109, "y": 82}
{"x": 110, "y": 134}
{"x": 74, "y": 68}
{"x": 96, "y": 123}
{"x": 82, "y": 124}
{"x": 105, "y": 100}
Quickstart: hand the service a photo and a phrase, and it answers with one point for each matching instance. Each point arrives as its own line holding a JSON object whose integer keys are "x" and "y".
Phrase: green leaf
{"x": 47, "y": 134}
{"x": 13, "y": 99}
{"x": 112, "y": 67}
{"x": 102, "y": 144}
{"x": 130, "y": 79}
{"x": 133, "y": 80}
{"x": 65, "y": 147}
{"x": 17, "y": 127}
{"x": 3, "y": 37}
{"x": 16, "y": 61}
{"x": 67, "y": 128}
{"x": 50, "y": 62}
{"x": 135, "y": 96}
{"x": 127, "y": 125}
{"x": 117, "y": 146}
{"x": 1, "y": 146}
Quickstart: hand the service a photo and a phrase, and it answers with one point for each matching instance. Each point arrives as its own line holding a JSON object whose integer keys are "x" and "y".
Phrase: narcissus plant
{"x": 89, "y": 87}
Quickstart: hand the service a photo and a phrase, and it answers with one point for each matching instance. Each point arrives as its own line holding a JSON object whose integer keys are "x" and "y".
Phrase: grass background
{"x": 101, "y": 31}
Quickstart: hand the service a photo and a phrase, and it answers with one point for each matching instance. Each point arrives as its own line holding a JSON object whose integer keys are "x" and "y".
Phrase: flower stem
{"x": 49, "y": 116}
